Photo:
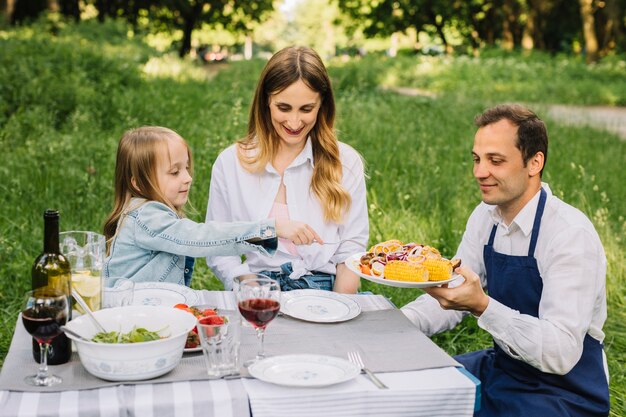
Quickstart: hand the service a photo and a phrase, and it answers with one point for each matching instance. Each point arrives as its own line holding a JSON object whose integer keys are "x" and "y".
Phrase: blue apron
{"x": 511, "y": 387}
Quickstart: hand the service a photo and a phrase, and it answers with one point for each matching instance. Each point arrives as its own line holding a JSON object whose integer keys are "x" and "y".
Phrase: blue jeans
{"x": 317, "y": 281}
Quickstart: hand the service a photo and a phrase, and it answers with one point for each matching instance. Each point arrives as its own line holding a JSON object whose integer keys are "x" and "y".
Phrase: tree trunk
{"x": 70, "y": 8}
{"x": 102, "y": 10}
{"x": 528, "y": 36}
{"x": 6, "y": 7}
{"x": 589, "y": 31}
{"x": 612, "y": 29}
{"x": 247, "y": 49}
{"x": 185, "y": 47}
{"x": 508, "y": 41}
{"x": 393, "y": 45}
{"x": 24, "y": 10}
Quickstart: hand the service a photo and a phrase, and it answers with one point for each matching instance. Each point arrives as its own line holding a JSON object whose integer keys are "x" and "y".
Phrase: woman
{"x": 291, "y": 166}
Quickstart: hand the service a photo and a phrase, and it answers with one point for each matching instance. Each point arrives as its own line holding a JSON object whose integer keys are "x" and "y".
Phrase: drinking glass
{"x": 220, "y": 337}
{"x": 85, "y": 252}
{"x": 258, "y": 299}
{"x": 45, "y": 311}
{"x": 119, "y": 294}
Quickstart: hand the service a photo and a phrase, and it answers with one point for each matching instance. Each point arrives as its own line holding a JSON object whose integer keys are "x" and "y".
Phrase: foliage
{"x": 66, "y": 99}
{"x": 552, "y": 25}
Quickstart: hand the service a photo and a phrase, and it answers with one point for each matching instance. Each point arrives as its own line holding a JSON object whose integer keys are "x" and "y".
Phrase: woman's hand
{"x": 468, "y": 296}
{"x": 298, "y": 232}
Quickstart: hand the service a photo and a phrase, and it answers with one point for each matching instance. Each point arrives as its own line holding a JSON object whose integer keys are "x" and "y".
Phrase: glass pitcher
{"x": 86, "y": 252}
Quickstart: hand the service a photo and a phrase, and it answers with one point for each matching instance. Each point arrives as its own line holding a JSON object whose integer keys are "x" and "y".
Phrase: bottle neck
{"x": 51, "y": 233}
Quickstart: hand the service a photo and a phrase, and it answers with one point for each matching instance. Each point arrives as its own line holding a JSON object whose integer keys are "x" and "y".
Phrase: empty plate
{"x": 318, "y": 306}
{"x": 304, "y": 370}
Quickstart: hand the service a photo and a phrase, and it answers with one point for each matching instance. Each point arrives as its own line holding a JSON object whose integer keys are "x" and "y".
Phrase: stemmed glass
{"x": 45, "y": 311}
{"x": 258, "y": 299}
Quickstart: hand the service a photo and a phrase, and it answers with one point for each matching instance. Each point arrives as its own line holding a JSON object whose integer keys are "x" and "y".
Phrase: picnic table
{"x": 422, "y": 379}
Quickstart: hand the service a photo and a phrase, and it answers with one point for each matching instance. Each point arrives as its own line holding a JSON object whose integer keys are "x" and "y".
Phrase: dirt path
{"x": 608, "y": 118}
{"x": 612, "y": 119}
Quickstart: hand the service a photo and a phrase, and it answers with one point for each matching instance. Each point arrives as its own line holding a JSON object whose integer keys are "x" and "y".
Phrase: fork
{"x": 355, "y": 358}
{"x": 343, "y": 240}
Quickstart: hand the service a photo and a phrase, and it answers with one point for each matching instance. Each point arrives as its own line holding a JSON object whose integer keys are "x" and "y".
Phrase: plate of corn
{"x": 409, "y": 265}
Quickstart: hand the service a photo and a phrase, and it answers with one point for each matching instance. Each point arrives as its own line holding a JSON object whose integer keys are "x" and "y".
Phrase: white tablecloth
{"x": 433, "y": 392}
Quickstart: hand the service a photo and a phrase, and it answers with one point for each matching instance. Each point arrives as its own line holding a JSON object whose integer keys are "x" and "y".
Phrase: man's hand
{"x": 298, "y": 232}
{"x": 469, "y": 296}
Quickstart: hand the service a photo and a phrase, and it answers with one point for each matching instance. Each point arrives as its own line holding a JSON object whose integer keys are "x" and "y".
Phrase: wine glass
{"x": 46, "y": 310}
{"x": 258, "y": 299}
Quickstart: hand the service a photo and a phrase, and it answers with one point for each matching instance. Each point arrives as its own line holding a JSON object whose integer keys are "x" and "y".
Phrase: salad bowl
{"x": 132, "y": 361}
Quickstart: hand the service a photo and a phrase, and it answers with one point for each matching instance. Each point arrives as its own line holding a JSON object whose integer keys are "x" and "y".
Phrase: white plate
{"x": 353, "y": 265}
{"x": 163, "y": 294}
{"x": 318, "y": 306}
{"x": 304, "y": 370}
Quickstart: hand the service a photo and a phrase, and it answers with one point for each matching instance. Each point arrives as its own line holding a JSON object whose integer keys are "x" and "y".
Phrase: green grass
{"x": 65, "y": 100}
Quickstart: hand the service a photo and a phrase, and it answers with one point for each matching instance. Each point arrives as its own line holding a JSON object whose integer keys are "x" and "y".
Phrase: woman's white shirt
{"x": 572, "y": 265}
{"x": 239, "y": 195}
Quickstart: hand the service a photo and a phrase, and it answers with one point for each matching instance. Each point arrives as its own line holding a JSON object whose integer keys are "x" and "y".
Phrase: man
{"x": 544, "y": 267}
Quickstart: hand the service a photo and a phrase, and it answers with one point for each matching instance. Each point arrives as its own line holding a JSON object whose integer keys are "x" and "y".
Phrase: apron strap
{"x": 493, "y": 234}
{"x": 537, "y": 223}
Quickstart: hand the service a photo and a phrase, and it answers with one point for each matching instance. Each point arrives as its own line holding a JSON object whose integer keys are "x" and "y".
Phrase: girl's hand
{"x": 298, "y": 232}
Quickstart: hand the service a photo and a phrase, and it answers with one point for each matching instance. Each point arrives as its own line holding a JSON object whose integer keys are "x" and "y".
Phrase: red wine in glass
{"x": 259, "y": 311}
{"x": 258, "y": 299}
{"x": 44, "y": 324}
{"x": 45, "y": 311}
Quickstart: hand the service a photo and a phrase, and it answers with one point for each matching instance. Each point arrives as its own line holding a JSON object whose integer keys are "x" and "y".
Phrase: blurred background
{"x": 218, "y": 30}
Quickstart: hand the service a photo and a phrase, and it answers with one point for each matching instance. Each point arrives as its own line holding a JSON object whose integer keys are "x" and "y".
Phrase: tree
{"x": 589, "y": 31}
{"x": 188, "y": 15}
{"x": 70, "y": 8}
{"x": 25, "y": 10}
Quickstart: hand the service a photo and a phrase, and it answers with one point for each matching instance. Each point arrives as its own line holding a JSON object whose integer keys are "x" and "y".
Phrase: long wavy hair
{"x": 261, "y": 144}
{"x": 139, "y": 152}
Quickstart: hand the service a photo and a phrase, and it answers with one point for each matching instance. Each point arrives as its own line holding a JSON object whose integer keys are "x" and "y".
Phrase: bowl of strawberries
{"x": 205, "y": 314}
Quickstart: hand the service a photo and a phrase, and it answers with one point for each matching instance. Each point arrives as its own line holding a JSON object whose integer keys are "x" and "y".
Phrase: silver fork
{"x": 355, "y": 358}
{"x": 344, "y": 240}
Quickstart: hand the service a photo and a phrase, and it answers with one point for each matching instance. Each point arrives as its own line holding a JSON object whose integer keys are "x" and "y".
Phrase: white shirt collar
{"x": 305, "y": 155}
{"x": 525, "y": 219}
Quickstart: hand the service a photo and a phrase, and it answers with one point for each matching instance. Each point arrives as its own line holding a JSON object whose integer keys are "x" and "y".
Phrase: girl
{"x": 291, "y": 166}
{"x": 147, "y": 237}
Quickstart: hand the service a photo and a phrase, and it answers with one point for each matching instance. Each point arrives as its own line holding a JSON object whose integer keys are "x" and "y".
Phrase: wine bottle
{"x": 52, "y": 270}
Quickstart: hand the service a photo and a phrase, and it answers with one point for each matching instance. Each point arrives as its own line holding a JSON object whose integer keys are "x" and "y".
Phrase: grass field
{"x": 65, "y": 100}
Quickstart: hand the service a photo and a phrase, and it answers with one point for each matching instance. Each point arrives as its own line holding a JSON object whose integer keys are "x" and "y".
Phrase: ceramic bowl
{"x": 133, "y": 361}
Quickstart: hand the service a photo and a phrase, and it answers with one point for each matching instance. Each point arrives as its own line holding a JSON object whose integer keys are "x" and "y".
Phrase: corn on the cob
{"x": 387, "y": 246}
{"x": 438, "y": 269}
{"x": 405, "y": 271}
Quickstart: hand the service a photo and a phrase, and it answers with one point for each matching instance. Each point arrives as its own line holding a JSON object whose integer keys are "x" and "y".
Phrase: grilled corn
{"x": 405, "y": 271}
{"x": 439, "y": 269}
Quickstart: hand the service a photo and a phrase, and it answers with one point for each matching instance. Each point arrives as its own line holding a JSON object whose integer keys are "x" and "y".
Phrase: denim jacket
{"x": 152, "y": 242}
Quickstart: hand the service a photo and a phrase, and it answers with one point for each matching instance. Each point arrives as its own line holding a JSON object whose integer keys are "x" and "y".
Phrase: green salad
{"x": 136, "y": 335}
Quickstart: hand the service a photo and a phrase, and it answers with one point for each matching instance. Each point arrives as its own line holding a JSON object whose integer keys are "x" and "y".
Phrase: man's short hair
{"x": 532, "y": 136}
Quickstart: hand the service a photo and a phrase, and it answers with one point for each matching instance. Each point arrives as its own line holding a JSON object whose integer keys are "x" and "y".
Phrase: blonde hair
{"x": 261, "y": 144}
{"x": 139, "y": 152}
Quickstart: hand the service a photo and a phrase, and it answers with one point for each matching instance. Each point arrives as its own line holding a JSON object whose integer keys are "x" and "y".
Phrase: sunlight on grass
{"x": 170, "y": 66}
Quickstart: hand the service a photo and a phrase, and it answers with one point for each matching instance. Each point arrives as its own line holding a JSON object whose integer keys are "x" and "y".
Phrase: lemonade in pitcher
{"x": 89, "y": 285}
{"x": 86, "y": 252}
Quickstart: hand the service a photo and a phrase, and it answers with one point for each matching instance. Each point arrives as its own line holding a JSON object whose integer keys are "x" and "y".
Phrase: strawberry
{"x": 212, "y": 320}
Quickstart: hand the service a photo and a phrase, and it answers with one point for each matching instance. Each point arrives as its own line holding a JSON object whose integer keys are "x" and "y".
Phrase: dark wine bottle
{"x": 52, "y": 270}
